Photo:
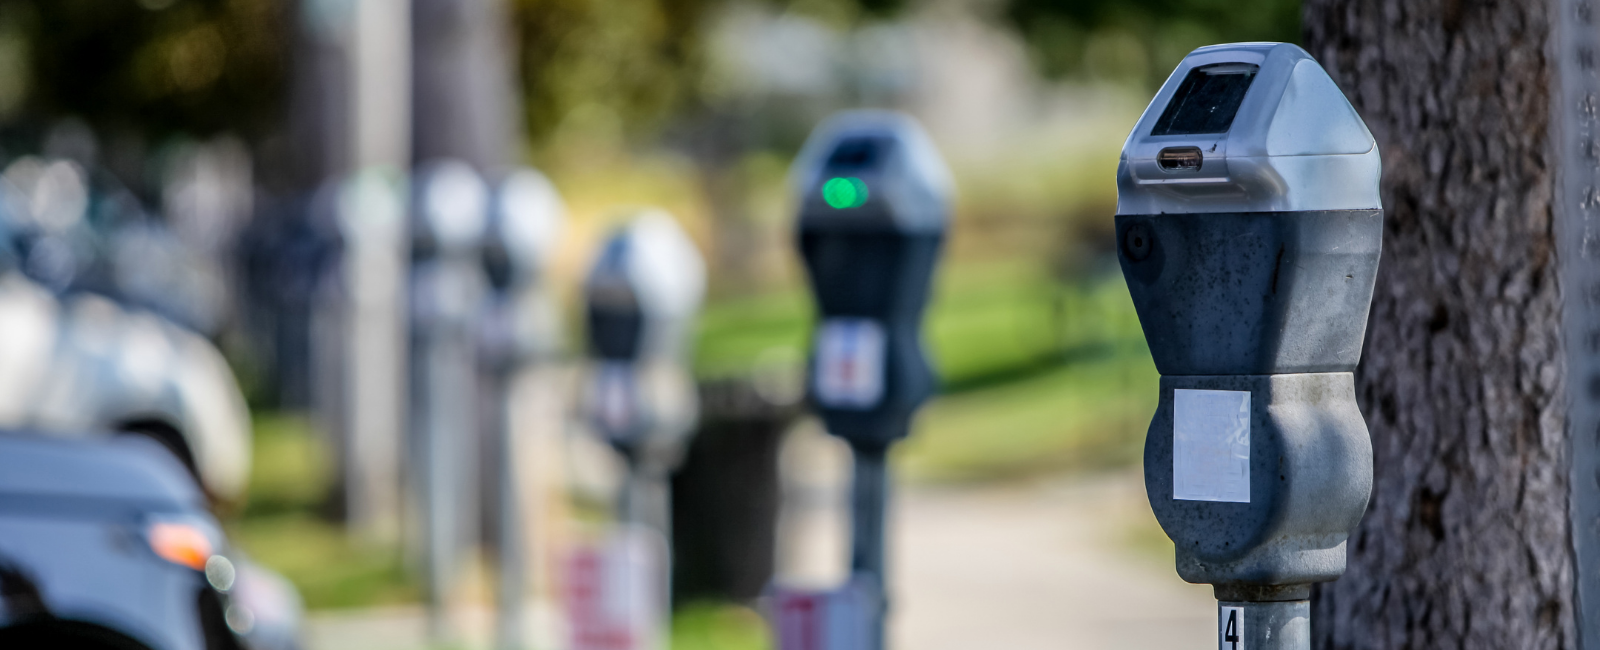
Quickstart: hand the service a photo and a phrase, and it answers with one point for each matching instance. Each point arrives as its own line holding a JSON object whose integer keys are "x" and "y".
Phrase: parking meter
{"x": 451, "y": 204}
{"x": 642, "y": 297}
{"x": 874, "y": 207}
{"x": 1249, "y": 226}
{"x": 519, "y": 323}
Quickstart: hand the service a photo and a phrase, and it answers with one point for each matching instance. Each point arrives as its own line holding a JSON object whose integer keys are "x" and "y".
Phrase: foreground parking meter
{"x": 448, "y": 285}
{"x": 516, "y": 327}
{"x": 874, "y": 208}
{"x": 1249, "y": 225}
{"x": 643, "y": 294}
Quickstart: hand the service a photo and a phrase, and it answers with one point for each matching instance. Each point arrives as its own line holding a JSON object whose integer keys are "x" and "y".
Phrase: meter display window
{"x": 1207, "y": 100}
{"x": 859, "y": 153}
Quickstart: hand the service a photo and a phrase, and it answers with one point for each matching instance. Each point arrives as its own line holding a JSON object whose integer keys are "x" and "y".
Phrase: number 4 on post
{"x": 1230, "y": 628}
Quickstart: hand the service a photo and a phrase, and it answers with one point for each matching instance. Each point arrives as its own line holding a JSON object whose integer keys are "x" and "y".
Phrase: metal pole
{"x": 1577, "y": 215}
{"x": 508, "y": 542}
{"x": 1284, "y": 625}
{"x": 868, "y": 509}
{"x": 646, "y": 499}
{"x": 451, "y": 440}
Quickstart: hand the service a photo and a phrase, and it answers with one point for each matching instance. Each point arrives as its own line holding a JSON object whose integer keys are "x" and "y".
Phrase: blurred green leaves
{"x": 1139, "y": 41}
{"x": 154, "y": 67}
{"x": 597, "y": 65}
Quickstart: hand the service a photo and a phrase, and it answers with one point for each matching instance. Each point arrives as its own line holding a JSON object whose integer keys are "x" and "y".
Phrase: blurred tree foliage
{"x": 629, "y": 62}
{"x": 1140, "y": 41}
{"x": 635, "y": 63}
{"x": 160, "y": 67}
{"x": 147, "y": 67}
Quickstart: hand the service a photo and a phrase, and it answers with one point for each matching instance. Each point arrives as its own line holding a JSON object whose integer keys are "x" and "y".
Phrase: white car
{"x": 81, "y": 363}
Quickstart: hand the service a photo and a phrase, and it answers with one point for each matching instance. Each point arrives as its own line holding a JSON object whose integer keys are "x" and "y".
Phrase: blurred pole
{"x": 451, "y": 204}
{"x": 372, "y": 218}
{"x": 519, "y": 329}
{"x": 869, "y": 506}
{"x": 645, "y": 499}
{"x": 380, "y": 63}
{"x": 509, "y": 543}
{"x": 375, "y": 259}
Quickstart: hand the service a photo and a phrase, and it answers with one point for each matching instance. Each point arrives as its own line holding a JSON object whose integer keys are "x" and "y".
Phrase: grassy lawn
{"x": 1036, "y": 375}
{"x": 282, "y": 525}
{"x": 719, "y": 626}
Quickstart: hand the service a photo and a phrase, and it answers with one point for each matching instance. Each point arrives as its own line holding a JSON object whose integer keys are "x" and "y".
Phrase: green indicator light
{"x": 841, "y": 193}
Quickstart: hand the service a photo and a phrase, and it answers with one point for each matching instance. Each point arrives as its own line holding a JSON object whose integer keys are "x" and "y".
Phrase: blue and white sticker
{"x": 850, "y": 363}
{"x": 1211, "y": 445}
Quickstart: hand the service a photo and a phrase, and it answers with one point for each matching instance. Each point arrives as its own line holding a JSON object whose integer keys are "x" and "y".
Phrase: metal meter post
{"x": 874, "y": 208}
{"x": 517, "y": 327}
{"x": 451, "y": 207}
{"x": 643, "y": 295}
{"x": 1249, "y": 225}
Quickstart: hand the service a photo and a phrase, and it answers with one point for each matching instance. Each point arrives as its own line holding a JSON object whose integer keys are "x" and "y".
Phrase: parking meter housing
{"x": 643, "y": 294}
{"x": 524, "y": 227}
{"x": 875, "y": 205}
{"x": 1248, "y": 229}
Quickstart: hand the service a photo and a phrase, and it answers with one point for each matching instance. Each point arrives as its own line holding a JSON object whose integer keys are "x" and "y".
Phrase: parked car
{"x": 106, "y": 544}
{"x": 81, "y": 364}
{"x": 93, "y": 335}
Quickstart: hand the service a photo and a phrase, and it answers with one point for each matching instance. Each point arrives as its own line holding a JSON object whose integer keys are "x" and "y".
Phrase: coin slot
{"x": 1180, "y": 159}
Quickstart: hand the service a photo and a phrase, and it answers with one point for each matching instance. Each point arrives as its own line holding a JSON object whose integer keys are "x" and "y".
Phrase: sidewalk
{"x": 1068, "y": 564}
{"x": 1063, "y": 564}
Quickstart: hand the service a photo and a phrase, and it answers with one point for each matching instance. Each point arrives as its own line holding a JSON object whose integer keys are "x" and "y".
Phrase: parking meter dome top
{"x": 862, "y": 157}
{"x": 1248, "y": 127}
{"x": 652, "y": 263}
{"x": 527, "y": 219}
{"x": 453, "y": 203}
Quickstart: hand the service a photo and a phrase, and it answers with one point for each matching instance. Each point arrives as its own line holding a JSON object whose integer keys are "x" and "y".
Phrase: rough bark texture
{"x": 1465, "y": 544}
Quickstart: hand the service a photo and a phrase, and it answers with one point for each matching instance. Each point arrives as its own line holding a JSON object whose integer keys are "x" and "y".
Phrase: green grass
{"x": 282, "y": 526}
{"x": 1084, "y": 415}
{"x": 719, "y": 626}
{"x": 1036, "y": 375}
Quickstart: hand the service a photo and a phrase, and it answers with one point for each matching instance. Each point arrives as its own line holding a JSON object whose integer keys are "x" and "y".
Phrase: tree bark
{"x": 1465, "y": 543}
{"x": 464, "y": 104}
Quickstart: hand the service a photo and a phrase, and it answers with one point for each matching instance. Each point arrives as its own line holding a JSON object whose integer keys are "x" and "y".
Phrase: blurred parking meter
{"x": 518, "y": 325}
{"x": 448, "y": 286}
{"x": 371, "y": 218}
{"x": 642, "y": 297}
{"x": 1249, "y": 226}
{"x": 874, "y": 208}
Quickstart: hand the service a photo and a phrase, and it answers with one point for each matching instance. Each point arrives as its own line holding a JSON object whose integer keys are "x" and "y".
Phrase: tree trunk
{"x": 464, "y": 102}
{"x": 1465, "y": 543}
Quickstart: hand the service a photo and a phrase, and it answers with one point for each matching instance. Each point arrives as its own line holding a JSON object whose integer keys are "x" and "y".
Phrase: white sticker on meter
{"x": 1211, "y": 445}
{"x": 850, "y": 360}
{"x": 1230, "y": 628}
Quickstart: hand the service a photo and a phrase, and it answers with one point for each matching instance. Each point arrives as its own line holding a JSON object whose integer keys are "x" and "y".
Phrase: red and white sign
{"x": 850, "y": 363}
{"x": 815, "y": 619}
{"x": 615, "y": 592}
